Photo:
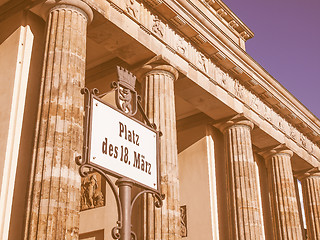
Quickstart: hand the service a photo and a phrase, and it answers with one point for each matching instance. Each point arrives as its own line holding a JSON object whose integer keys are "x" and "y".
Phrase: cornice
{"x": 228, "y": 18}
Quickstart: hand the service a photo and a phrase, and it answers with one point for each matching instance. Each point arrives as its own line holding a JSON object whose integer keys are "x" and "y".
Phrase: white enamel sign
{"x": 123, "y": 146}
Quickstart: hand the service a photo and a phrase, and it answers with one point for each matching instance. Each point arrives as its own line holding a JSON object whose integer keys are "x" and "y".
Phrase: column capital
{"x": 238, "y": 120}
{"x": 48, "y": 5}
{"x": 158, "y": 63}
{"x": 308, "y": 173}
{"x": 279, "y": 150}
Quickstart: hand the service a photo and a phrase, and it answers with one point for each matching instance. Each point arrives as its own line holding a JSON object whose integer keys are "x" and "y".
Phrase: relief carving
{"x": 303, "y": 140}
{"x": 267, "y": 112}
{"x": 254, "y": 102}
{"x": 91, "y": 195}
{"x": 202, "y": 62}
{"x": 132, "y": 8}
{"x": 181, "y": 46}
{"x": 280, "y": 123}
{"x": 221, "y": 77}
{"x": 157, "y": 26}
{"x": 183, "y": 220}
{"x": 292, "y": 132}
{"x": 312, "y": 145}
{"x": 239, "y": 89}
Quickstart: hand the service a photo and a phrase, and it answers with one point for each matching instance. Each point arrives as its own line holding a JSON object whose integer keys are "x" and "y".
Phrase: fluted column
{"x": 285, "y": 214}
{"x": 53, "y": 209}
{"x": 243, "y": 199}
{"x": 164, "y": 223}
{"x": 311, "y": 198}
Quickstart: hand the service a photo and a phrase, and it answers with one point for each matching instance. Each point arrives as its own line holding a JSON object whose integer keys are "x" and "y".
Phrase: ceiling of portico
{"x": 108, "y": 47}
{"x": 107, "y": 41}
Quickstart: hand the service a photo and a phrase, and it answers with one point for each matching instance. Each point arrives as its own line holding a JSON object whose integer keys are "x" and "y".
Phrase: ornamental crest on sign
{"x": 126, "y": 95}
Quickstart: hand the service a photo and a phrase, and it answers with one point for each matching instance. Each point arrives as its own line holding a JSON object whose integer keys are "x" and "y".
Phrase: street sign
{"x": 123, "y": 146}
{"x": 119, "y": 145}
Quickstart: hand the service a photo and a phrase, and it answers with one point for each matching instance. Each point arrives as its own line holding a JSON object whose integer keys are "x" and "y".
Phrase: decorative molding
{"x": 236, "y": 70}
{"x": 221, "y": 13}
{"x": 219, "y": 56}
{"x": 178, "y": 21}
{"x": 154, "y": 3}
{"x": 233, "y": 24}
{"x": 145, "y": 29}
{"x": 208, "y": 1}
{"x": 199, "y": 39}
{"x": 116, "y": 7}
{"x": 244, "y": 35}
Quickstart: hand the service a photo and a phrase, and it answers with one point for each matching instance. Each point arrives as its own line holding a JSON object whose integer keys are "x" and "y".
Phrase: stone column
{"x": 285, "y": 214}
{"x": 311, "y": 198}
{"x": 54, "y": 196}
{"x": 243, "y": 199}
{"x": 164, "y": 223}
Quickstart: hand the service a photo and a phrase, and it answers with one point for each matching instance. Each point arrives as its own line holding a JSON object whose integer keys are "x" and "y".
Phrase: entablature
{"x": 193, "y": 42}
{"x": 241, "y": 66}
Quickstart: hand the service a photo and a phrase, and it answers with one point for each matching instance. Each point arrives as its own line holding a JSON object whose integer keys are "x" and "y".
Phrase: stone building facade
{"x": 236, "y": 145}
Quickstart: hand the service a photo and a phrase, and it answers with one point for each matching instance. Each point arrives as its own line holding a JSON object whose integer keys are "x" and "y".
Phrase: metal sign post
{"x": 125, "y": 186}
{"x": 116, "y": 144}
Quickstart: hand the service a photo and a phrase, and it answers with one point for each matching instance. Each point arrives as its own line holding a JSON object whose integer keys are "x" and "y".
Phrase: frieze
{"x": 203, "y": 63}
{"x": 266, "y": 113}
{"x": 303, "y": 140}
{"x": 293, "y": 132}
{"x": 312, "y": 146}
{"x": 181, "y": 45}
{"x": 222, "y": 77}
{"x": 254, "y": 102}
{"x": 158, "y": 27}
{"x": 239, "y": 89}
{"x": 133, "y": 8}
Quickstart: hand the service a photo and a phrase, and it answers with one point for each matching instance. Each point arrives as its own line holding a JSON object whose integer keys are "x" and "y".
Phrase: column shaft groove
{"x": 245, "y": 215}
{"x": 53, "y": 211}
{"x": 286, "y": 221}
{"x": 311, "y": 198}
{"x": 164, "y": 223}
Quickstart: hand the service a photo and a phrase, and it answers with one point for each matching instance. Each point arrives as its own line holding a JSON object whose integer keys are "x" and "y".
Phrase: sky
{"x": 286, "y": 43}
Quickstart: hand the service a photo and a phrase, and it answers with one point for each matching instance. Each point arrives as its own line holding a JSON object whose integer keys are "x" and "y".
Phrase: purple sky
{"x": 286, "y": 43}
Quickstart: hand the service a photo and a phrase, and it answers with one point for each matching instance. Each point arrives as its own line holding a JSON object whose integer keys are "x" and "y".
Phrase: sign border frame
{"x": 115, "y": 174}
